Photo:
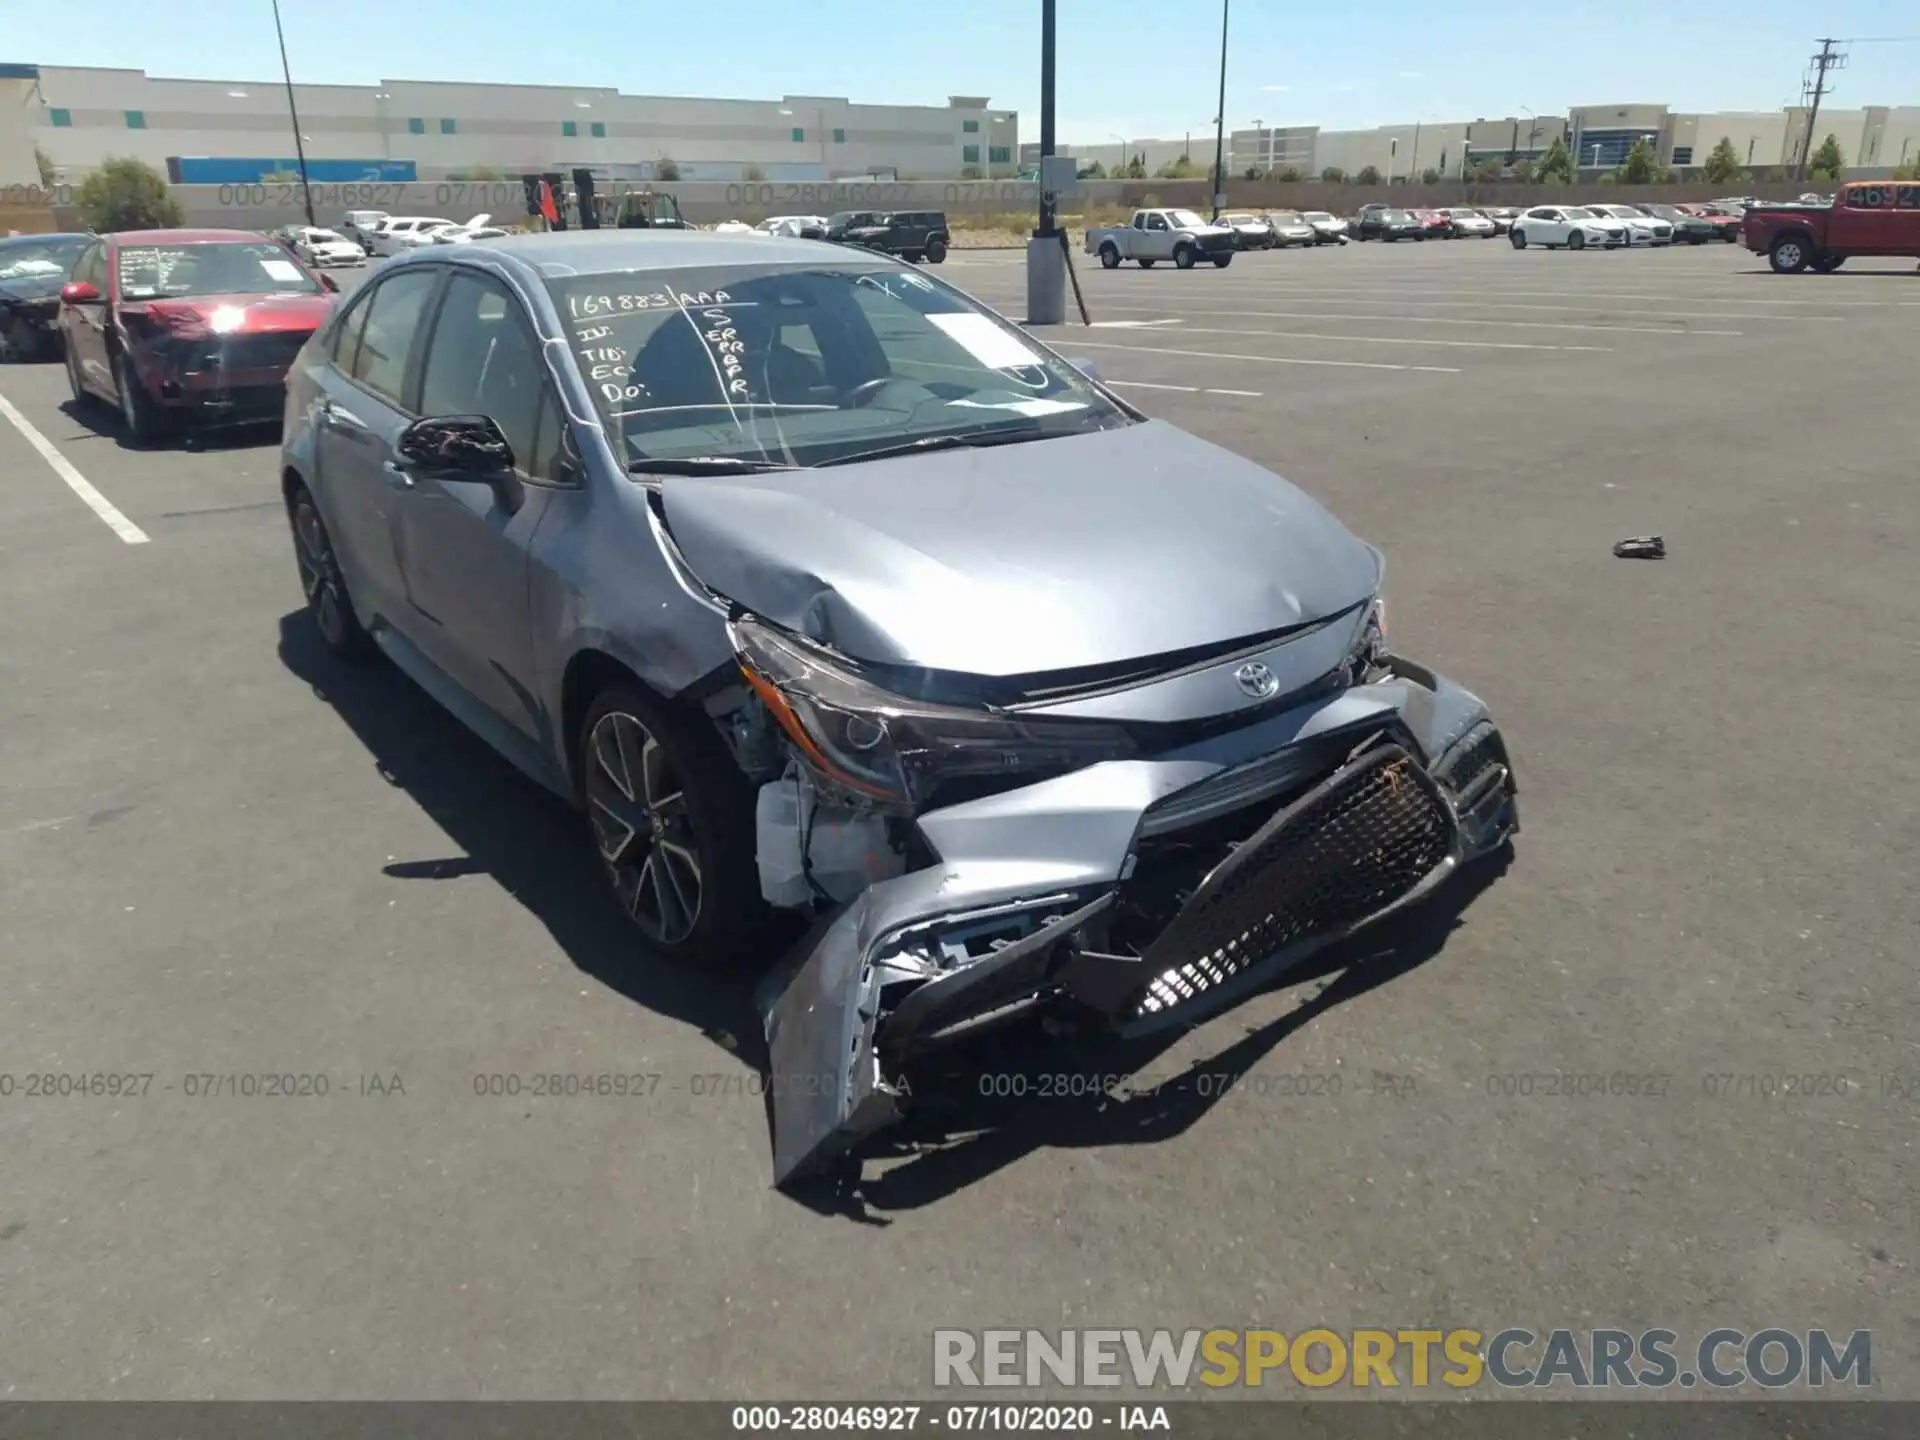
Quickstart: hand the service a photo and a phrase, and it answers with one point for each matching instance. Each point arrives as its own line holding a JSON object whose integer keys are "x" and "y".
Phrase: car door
{"x": 1869, "y": 219}
{"x": 87, "y": 329}
{"x": 361, "y": 411}
{"x": 1158, "y": 241}
{"x": 462, "y": 553}
{"x": 1547, "y": 226}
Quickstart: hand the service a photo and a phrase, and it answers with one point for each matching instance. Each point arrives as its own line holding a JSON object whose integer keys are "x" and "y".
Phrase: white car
{"x": 1468, "y": 221}
{"x": 325, "y": 247}
{"x": 793, "y": 227}
{"x": 733, "y": 227}
{"x": 1642, "y": 229}
{"x": 1572, "y": 226}
{"x": 466, "y": 235}
{"x": 404, "y": 232}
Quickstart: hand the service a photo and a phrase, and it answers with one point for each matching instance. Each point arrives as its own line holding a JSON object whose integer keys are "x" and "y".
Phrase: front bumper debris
{"x": 1068, "y": 898}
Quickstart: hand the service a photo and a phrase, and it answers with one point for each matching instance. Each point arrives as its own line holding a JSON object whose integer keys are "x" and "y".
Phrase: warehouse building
{"x": 1873, "y": 141}
{"x": 433, "y": 130}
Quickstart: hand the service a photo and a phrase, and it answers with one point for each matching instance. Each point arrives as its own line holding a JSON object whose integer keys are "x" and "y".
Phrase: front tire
{"x": 936, "y": 251}
{"x": 1576, "y": 241}
{"x": 328, "y": 604}
{"x": 672, "y": 818}
{"x": 1790, "y": 255}
{"x": 1827, "y": 264}
{"x": 139, "y": 416}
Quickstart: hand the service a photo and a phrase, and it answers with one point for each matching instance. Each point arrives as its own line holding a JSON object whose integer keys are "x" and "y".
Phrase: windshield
{"x": 802, "y": 365}
{"x": 21, "y": 258}
{"x": 1575, "y": 212}
{"x": 1186, "y": 219}
{"x": 1395, "y": 216}
{"x": 166, "y": 272}
{"x": 1318, "y": 215}
{"x": 321, "y": 237}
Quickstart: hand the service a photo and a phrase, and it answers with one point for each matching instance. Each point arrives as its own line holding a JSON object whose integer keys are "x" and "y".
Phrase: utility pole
{"x": 299, "y": 146}
{"x": 1827, "y": 60}
{"x": 1220, "y": 124}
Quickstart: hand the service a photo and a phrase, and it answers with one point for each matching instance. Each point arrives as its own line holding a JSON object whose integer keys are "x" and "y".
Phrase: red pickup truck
{"x": 1867, "y": 217}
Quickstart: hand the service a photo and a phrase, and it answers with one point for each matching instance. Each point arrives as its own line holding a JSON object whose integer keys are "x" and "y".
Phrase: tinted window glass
{"x": 483, "y": 361}
{"x": 379, "y": 361}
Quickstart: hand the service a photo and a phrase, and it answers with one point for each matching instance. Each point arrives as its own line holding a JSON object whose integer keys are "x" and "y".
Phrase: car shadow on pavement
{"x": 102, "y": 421}
{"x": 1030, "y": 1092}
{"x": 504, "y": 825}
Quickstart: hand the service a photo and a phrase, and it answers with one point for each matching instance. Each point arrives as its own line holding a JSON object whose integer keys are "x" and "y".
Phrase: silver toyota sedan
{"x": 819, "y": 587}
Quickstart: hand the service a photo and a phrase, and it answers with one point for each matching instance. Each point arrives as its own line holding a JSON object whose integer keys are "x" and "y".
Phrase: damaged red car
{"x": 193, "y": 326}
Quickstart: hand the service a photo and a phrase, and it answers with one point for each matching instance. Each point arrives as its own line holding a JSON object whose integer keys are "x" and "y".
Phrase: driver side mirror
{"x": 78, "y": 293}
{"x": 328, "y": 283}
{"x": 464, "y": 447}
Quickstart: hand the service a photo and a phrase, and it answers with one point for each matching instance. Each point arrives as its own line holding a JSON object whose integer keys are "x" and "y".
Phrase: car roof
{"x": 607, "y": 252}
{"x": 42, "y": 238}
{"x": 182, "y": 237}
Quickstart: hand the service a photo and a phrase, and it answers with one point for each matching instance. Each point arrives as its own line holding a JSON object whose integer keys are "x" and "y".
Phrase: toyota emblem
{"x": 1256, "y": 680}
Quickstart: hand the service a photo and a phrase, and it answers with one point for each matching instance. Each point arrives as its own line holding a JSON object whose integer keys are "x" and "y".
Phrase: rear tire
{"x": 81, "y": 395}
{"x": 1109, "y": 256}
{"x": 1518, "y": 239}
{"x": 1222, "y": 261}
{"x": 1827, "y": 264}
{"x": 1183, "y": 257}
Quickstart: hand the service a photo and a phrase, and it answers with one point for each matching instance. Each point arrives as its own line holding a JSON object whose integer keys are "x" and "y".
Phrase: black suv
{"x": 913, "y": 235}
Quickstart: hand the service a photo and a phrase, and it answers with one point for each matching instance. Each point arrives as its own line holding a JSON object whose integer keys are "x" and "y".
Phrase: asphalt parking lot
{"x": 222, "y": 856}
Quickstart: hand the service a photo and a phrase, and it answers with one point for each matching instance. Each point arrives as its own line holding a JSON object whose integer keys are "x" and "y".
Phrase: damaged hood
{"x": 1021, "y": 559}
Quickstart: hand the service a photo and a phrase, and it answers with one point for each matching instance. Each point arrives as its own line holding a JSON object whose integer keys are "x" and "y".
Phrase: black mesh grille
{"x": 1472, "y": 758}
{"x": 1342, "y": 853}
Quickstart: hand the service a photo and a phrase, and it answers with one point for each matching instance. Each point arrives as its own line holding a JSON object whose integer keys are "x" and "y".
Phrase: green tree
{"x": 1556, "y": 166}
{"x": 1485, "y": 172}
{"x": 1137, "y": 168}
{"x": 666, "y": 169}
{"x": 1333, "y": 175}
{"x": 1641, "y": 165}
{"x": 1722, "y": 166}
{"x": 1289, "y": 175}
{"x": 1252, "y": 172}
{"x": 127, "y": 194}
{"x": 44, "y": 163}
{"x": 1827, "y": 162}
{"x": 1181, "y": 169}
{"x": 1429, "y": 176}
{"x": 483, "y": 172}
{"x": 1367, "y": 176}
{"x": 1095, "y": 171}
{"x": 1907, "y": 172}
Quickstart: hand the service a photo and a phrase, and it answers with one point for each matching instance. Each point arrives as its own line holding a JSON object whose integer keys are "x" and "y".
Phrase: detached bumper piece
{"x": 1370, "y": 838}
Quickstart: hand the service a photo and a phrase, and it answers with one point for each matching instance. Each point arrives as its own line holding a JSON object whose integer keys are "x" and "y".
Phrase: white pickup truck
{"x": 1155, "y": 235}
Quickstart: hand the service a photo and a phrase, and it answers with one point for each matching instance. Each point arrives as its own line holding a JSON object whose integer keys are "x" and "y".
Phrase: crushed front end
{"x": 1063, "y": 857}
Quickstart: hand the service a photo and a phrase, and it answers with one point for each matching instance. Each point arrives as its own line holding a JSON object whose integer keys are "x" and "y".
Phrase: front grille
{"x": 262, "y": 352}
{"x": 1342, "y": 853}
{"x": 1471, "y": 758}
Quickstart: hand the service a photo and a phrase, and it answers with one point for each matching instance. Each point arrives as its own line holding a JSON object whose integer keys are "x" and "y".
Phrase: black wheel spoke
{"x": 641, "y": 821}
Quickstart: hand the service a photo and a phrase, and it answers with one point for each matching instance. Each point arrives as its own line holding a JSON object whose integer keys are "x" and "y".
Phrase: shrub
{"x": 127, "y": 194}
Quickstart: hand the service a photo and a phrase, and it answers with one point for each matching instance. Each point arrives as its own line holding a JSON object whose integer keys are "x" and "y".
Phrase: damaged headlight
{"x": 1366, "y": 661}
{"x": 893, "y": 750}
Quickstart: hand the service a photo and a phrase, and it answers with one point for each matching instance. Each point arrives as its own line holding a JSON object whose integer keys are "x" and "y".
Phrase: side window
{"x": 386, "y": 341}
{"x": 1156, "y": 222}
{"x": 92, "y": 267}
{"x": 483, "y": 361}
{"x": 346, "y": 334}
{"x": 1140, "y": 222}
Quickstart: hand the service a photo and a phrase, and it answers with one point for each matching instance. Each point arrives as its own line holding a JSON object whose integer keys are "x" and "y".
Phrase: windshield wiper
{"x": 969, "y": 440}
{"x": 704, "y": 465}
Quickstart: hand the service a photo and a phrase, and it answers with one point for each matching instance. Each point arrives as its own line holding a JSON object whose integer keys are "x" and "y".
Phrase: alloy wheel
{"x": 643, "y": 828}
{"x": 319, "y": 573}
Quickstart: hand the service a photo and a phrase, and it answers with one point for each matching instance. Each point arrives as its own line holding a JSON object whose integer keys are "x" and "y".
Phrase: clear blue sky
{"x": 1136, "y": 67}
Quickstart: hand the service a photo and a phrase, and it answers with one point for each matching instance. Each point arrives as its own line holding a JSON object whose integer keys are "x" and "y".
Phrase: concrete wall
{"x": 444, "y": 126}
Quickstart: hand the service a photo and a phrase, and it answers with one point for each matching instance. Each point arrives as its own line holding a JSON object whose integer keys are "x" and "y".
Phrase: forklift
{"x": 583, "y": 205}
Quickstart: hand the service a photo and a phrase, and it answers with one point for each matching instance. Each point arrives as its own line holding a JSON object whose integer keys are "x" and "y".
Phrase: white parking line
{"x": 1436, "y": 320}
{"x": 1570, "y": 291}
{"x": 76, "y": 482}
{"x": 1266, "y": 359}
{"x": 1363, "y": 297}
{"x": 1182, "y": 389}
{"x": 1402, "y": 340}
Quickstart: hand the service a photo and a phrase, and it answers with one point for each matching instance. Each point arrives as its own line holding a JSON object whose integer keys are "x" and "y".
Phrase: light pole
{"x": 1047, "y": 247}
{"x": 1220, "y": 123}
{"x": 1125, "y": 159}
{"x": 1257, "y": 148}
{"x": 1596, "y": 157}
{"x": 293, "y": 113}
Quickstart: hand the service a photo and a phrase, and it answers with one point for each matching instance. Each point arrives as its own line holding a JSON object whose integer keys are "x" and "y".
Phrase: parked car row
{"x": 1281, "y": 229}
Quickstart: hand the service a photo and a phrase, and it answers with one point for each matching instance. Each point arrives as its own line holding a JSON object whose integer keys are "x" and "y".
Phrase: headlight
{"x": 893, "y": 750}
{"x": 1366, "y": 659}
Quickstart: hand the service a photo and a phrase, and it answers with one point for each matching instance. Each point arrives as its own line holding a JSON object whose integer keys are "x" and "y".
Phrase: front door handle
{"x": 397, "y": 477}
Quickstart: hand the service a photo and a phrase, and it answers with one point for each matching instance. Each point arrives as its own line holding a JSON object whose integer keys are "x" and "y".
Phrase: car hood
{"x": 257, "y": 314}
{"x": 1084, "y": 550}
